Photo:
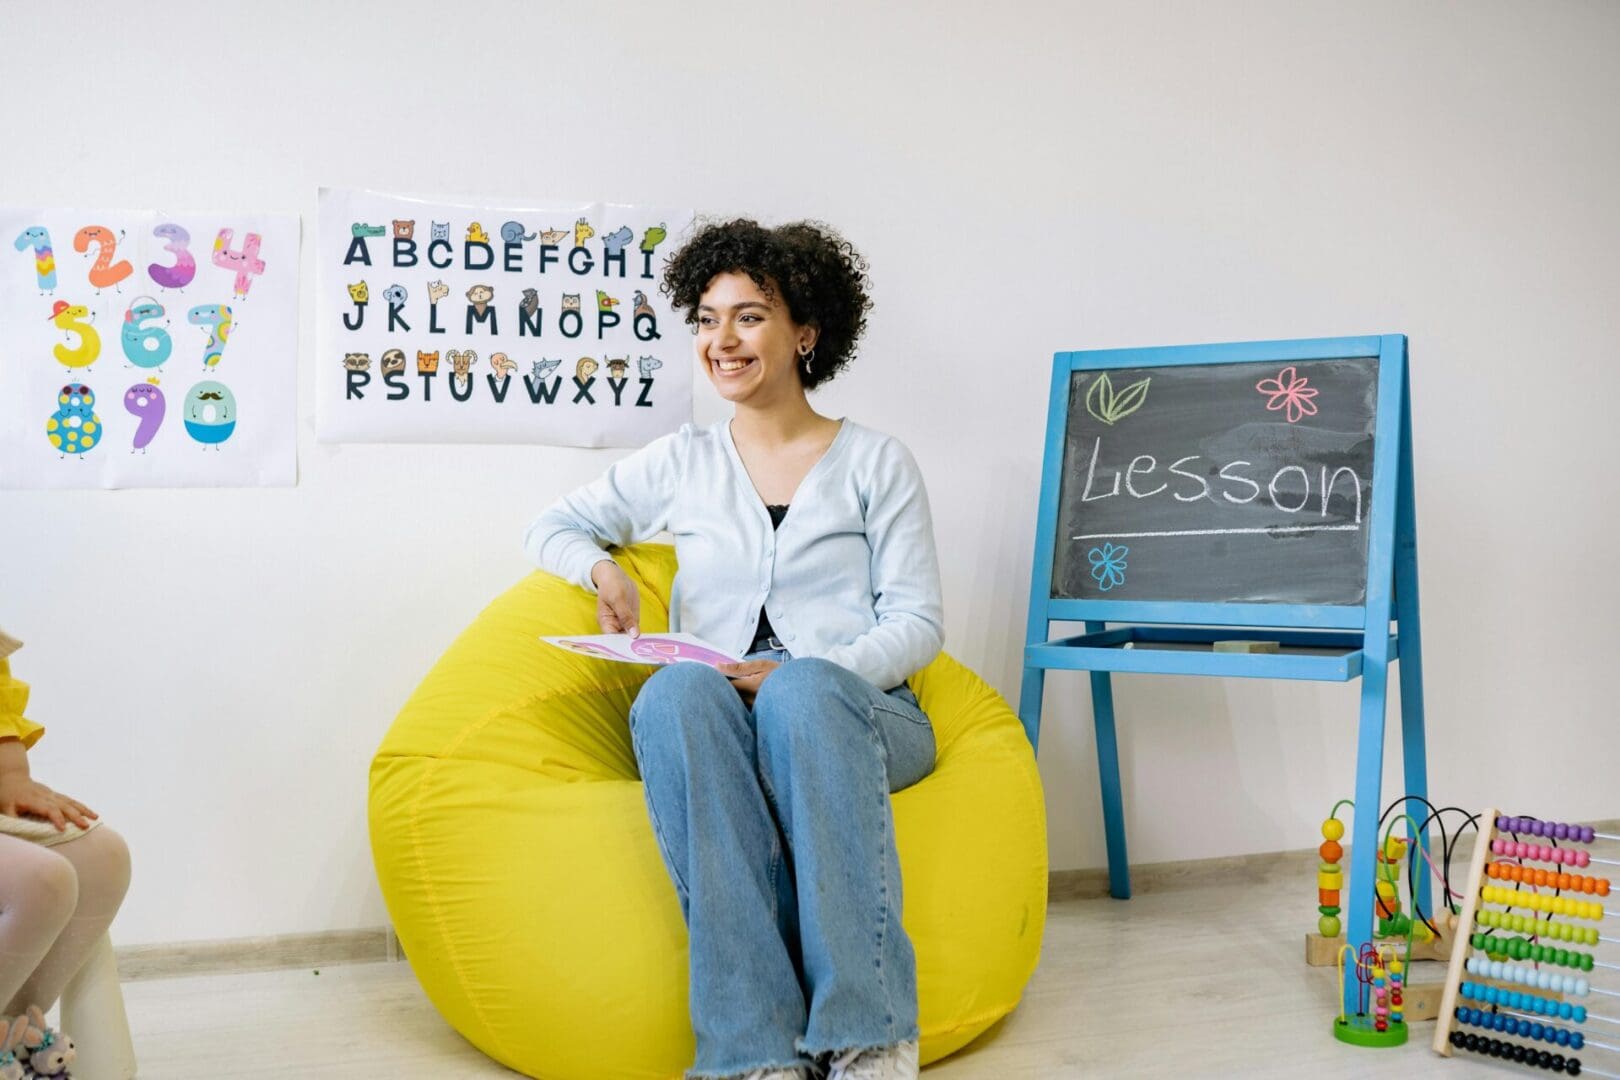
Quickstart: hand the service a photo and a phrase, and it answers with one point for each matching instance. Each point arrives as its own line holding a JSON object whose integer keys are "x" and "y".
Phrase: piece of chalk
{"x": 1246, "y": 646}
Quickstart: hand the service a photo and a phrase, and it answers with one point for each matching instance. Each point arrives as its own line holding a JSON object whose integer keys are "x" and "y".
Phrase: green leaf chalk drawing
{"x": 1105, "y": 405}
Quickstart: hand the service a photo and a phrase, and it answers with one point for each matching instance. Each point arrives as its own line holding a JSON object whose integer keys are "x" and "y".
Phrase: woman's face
{"x": 748, "y": 343}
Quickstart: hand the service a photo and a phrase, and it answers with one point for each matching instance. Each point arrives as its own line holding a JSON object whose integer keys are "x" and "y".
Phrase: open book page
{"x": 645, "y": 648}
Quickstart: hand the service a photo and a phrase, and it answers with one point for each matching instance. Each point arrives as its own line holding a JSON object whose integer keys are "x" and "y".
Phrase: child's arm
{"x": 20, "y": 794}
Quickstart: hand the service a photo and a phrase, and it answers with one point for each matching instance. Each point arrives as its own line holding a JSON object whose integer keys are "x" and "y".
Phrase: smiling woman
{"x": 805, "y": 271}
{"x": 805, "y": 544}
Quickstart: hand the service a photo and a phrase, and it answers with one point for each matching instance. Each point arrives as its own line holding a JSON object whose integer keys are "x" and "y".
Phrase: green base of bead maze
{"x": 1359, "y": 1031}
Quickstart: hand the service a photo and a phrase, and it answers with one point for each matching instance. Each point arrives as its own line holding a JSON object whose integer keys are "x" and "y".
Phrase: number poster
{"x": 147, "y": 349}
{"x": 448, "y": 322}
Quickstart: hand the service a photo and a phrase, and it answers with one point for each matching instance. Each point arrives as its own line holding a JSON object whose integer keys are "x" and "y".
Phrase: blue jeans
{"x": 775, "y": 824}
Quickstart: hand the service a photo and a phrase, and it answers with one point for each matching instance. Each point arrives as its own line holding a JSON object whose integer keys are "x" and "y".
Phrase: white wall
{"x": 218, "y": 666}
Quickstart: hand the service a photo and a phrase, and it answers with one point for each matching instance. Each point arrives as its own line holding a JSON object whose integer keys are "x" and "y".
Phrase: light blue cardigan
{"x": 851, "y": 576}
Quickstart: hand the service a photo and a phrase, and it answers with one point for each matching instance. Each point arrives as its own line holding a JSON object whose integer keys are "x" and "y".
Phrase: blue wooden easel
{"x": 1355, "y": 640}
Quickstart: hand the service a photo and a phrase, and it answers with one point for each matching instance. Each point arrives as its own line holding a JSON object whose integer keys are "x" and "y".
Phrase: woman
{"x": 805, "y": 545}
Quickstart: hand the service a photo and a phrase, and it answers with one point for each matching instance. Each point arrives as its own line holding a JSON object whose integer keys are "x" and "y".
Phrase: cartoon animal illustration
{"x": 246, "y": 262}
{"x": 145, "y": 346}
{"x": 618, "y": 367}
{"x": 461, "y": 367}
{"x": 479, "y": 297}
{"x": 512, "y": 233}
{"x": 47, "y": 1052}
{"x": 613, "y": 243}
{"x": 553, "y": 236}
{"x": 654, "y": 236}
{"x": 144, "y": 401}
{"x": 604, "y": 302}
{"x": 642, "y": 307}
{"x": 504, "y": 365}
{"x": 360, "y": 228}
{"x": 476, "y": 234}
{"x": 404, "y": 230}
{"x": 647, "y": 365}
{"x": 184, "y": 269}
{"x": 437, "y": 290}
{"x": 395, "y": 295}
{"x": 570, "y": 301}
{"x": 39, "y": 238}
{"x": 661, "y": 650}
{"x": 359, "y": 293}
{"x": 357, "y": 361}
{"x": 427, "y": 362}
{"x": 531, "y": 302}
{"x": 217, "y": 317}
{"x": 585, "y": 368}
{"x": 103, "y": 273}
{"x": 74, "y": 427}
{"x": 541, "y": 368}
{"x": 582, "y": 232}
{"x": 210, "y": 413}
{"x": 440, "y": 230}
{"x": 72, "y": 318}
{"x": 393, "y": 362}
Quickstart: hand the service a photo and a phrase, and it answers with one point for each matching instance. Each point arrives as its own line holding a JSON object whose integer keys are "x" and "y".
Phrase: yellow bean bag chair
{"x": 518, "y": 863}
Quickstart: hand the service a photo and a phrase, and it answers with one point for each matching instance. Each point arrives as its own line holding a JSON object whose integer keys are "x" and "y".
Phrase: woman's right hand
{"x": 618, "y": 605}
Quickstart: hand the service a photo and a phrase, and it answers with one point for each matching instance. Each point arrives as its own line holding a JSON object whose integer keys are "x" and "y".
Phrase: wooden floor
{"x": 1186, "y": 982}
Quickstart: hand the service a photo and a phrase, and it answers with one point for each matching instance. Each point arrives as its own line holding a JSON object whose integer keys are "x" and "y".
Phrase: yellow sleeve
{"x": 13, "y": 699}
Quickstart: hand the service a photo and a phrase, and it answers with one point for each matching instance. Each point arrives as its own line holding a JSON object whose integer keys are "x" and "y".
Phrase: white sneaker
{"x": 898, "y": 1062}
{"x": 797, "y": 1073}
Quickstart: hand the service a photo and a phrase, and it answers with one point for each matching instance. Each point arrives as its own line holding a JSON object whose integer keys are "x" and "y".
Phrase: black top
{"x": 777, "y": 514}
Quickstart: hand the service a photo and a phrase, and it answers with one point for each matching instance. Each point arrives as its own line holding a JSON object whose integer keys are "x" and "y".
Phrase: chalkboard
{"x": 1218, "y": 483}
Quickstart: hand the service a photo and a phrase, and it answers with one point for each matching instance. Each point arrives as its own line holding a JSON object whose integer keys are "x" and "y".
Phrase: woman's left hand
{"x": 747, "y": 676}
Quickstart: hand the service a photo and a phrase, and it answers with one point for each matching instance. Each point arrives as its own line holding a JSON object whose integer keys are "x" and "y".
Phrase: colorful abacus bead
{"x": 1517, "y": 849}
{"x": 1579, "y": 834}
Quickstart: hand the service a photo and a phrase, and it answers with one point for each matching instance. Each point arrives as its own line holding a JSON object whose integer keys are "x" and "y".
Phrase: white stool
{"x": 93, "y": 1014}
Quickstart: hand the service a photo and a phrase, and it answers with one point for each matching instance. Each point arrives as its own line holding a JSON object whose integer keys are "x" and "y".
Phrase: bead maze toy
{"x": 1378, "y": 992}
{"x": 1374, "y": 1009}
{"x": 1506, "y": 896}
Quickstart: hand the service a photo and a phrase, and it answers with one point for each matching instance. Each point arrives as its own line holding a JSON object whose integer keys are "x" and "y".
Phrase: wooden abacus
{"x": 1486, "y": 951}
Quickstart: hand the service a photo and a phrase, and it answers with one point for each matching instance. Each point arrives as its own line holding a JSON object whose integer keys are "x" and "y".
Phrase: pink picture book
{"x": 645, "y": 648}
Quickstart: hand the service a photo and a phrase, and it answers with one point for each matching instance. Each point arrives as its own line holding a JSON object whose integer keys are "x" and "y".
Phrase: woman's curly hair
{"x": 819, "y": 274}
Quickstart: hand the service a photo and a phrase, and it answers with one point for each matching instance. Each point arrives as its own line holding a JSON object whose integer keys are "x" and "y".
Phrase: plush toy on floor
{"x": 47, "y": 1053}
{"x": 11, "y": 1037}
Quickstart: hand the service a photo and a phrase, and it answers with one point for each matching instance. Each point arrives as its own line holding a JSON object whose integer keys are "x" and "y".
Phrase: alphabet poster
{"x": 453, "y": 322}
{"x": 148, "y": 349}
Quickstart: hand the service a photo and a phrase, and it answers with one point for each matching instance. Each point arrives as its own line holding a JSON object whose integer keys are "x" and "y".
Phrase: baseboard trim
{"x": 379, "y": 944}
{"x": 237, "y": 955}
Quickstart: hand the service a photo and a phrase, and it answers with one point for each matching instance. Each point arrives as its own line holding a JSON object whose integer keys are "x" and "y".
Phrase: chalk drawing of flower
{"x": 1108, "y": 565}
{"x": 1289, "y": 392}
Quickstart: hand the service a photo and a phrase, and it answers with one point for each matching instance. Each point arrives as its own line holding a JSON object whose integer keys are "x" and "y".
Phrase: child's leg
{"x": 101, "y": 860}
{"x": 38, "y": 892}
